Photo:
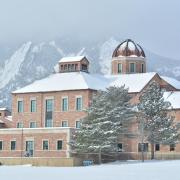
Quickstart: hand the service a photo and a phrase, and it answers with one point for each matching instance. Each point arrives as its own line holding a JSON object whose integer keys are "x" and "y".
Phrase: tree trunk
{"x": 100, "y": 160}
{"x": 152, "y": 151}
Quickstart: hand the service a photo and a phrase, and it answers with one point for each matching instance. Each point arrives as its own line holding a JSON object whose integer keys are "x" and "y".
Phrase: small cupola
{"x": 73, "y": 64}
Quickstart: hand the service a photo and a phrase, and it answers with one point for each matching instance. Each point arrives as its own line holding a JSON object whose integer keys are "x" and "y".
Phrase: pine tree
{"x": 108, "y": 118}
{"x": 159, "y": 126}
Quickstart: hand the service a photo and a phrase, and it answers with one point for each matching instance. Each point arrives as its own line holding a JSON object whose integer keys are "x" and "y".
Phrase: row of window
{"x": 132, "y": 68}
{"x": 33, "y": 124}
{"x": 144, "y": 147}
{"x": 50, "y": 105}
{"x": 30, "y": 145}
{"x": 73, "y": 67}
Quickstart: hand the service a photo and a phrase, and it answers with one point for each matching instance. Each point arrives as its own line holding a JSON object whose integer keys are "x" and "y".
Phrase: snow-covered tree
{"x": 108, "y": 118}
{"x": 158, "y": 124}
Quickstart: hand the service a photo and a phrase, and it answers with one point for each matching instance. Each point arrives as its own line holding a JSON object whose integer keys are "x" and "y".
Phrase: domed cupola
{"x": 128, "y": 48}
{"x": 128, "y": 57}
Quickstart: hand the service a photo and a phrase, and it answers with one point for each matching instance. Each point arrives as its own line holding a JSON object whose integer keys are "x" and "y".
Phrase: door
{"x": 29, "y": 148}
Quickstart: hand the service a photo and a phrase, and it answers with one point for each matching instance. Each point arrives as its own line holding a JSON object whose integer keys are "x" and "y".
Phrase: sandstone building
{"x": 45, "y": 113}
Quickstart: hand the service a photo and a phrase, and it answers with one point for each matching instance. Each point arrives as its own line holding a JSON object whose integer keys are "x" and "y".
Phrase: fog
{"x": 152, "y": 23}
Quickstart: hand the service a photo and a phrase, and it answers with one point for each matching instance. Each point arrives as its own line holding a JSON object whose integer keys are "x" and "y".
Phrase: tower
{"x": 128, "y": 58}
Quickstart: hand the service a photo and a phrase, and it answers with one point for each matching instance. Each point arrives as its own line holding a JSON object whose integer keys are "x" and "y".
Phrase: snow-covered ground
{"x": 154, "y": 170}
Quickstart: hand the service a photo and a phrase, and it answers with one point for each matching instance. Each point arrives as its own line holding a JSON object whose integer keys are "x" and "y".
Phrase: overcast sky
{"x": 155, "y": 24}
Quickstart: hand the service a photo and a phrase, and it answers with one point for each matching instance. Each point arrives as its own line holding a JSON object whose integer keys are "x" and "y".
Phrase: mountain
{"x": 23, "y": 64}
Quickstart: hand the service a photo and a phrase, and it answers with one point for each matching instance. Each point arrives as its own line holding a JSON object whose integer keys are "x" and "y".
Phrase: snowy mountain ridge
{"x": 32, "y": 61}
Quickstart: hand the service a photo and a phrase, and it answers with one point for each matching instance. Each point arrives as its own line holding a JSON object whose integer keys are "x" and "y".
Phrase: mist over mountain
{"x": 24, "y": 63}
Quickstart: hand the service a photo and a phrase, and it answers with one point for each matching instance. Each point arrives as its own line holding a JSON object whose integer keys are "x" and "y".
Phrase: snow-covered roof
{"x": 174, "y": 98}
{"x": 1, "y": 121}
{"x": 82, "y": 80}
{"x": 9, "y": 118}
{"x": 135, "y": 82}
{"x": 175, "y": 83}
{"x": 66, "y": 81}
{"x": 71, "y": 59}
{"x": 3, "y": 109}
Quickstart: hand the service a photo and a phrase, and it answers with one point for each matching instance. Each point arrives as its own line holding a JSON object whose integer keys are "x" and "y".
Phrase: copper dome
{"x": 128, "y": 48}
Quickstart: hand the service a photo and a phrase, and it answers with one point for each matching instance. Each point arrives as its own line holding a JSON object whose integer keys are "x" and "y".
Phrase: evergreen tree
{"x": 159, "y": 126}
{"x": 107, "y": 120}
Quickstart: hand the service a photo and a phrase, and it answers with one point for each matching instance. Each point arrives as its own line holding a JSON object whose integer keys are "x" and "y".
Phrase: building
{"x": 46, "y": 112}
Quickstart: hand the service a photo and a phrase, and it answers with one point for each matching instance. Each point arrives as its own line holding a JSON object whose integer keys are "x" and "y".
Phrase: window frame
{"x": 120, "y": 72}
{"x": 11, "y": 145}
{"x": 157, "y": 147}
{"x": 31, "y": 108}
{"x": 62, "y": 107}
{"x": 172, "y": 147}
{"x": 46, "y": 111}
{"x": 2, "y": 145}
{"x": 76, "y": 103}
{"x": 18, "y": 124}
{"x": 146, "y": 147}
{"x": 64, "y": 121}
{"x": 31, "y": 123}
{"x": 57, "y": 144}
{"x": 130, "y": 67}
{"x": 20, "y": 110}
{"x": 120, "y": 150}
{"x": 45, "y": 140}
{"x": 78, "y": 121}
{"x": 142, "y": 67}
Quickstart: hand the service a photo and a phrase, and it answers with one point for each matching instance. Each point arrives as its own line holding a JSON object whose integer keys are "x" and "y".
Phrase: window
{"x": 142, "y": 68}
{"x": 120, "y": 147}
{"x": 157, "y": 147}
{"x": 49, "y": 113}
{"x": 33, "y": 105}
{"x": 76, "y": 67}
{"x": 78, "y": 124}
{"x": 49, "y": 105}
{"x": 119, "y": 68}
{"x": 172, "y": 147}
{"x": 84, "y": 67}
{"x": 29, "y": 148}
{"x": 79, "y": 103}
{"x": 13, "y": 145}
{"x": 20, "y": 106}
{"x": 143, "y": 147}
{"x": 1, "y": 145}
{"x": 64, "y": 104}
{"x": 65, "y": 67}
{"x": 72, "y": 67}
{"x": 45, "y": 145}
{"x": 69, "y": 67}
{"x": 64, "y": 123}
{"x": 132, "y": 67}
{"x": 32, "y": 125}
{"x": 19, "y": 125}
{"x": 62, "y": 67}
{"x": 59, "y": 145}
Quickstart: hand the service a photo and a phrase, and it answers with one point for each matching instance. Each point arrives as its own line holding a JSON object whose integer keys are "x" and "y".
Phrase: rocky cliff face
{"x": 28, "y": 62}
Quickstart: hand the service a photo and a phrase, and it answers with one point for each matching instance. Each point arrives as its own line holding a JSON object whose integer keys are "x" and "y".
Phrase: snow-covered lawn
{"x": 156, "y": 170}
